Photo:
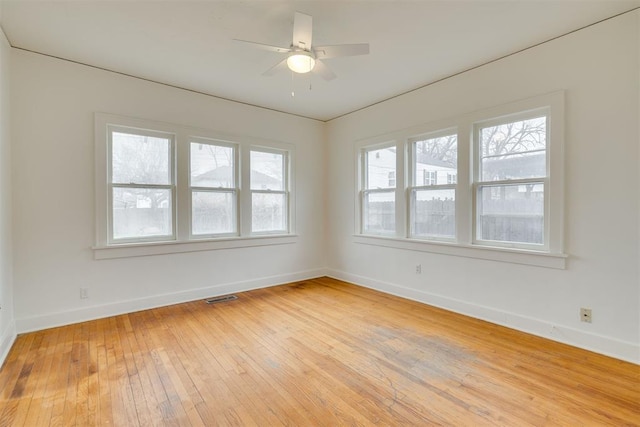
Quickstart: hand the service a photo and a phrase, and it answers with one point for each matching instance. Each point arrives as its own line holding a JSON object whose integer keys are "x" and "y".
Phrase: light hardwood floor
{"x": 319, "y": 352}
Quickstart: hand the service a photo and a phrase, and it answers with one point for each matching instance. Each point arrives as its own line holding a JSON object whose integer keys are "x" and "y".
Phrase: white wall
{"x": 598, "y": 68}
{"x": 53, "y": 105}
{"x": 7, "y": 325}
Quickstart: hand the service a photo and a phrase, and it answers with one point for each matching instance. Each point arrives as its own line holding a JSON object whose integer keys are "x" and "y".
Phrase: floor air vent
{"x": 223, "y": 298}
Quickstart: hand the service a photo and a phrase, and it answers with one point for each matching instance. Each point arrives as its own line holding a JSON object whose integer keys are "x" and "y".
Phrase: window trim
{"x": 554, "y": 102}
{"x": 489, "y": 253}
{"x": 184, "y": 241}
{"x": 552, "y": 257}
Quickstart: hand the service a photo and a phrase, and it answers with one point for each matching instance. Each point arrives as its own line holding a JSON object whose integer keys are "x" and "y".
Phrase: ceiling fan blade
{"x": 282, "y": 65}
{"x": 324, "y": 71}
{"x": 265, "y": 46}
{"x": 302, "y": 29}
{"x": 335, "y": 51}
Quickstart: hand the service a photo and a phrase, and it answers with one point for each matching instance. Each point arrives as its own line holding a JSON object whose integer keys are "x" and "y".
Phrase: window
{"x": 429, "y": 177}
{"x": 141, "y": 185}
{"x": 165, "y": 188}
{"x": 511, "y": 176}
{"x": 392, "y": 178}
{"x": 213, "y": 184}
{"x": 378, "y": 194}
{"x": 487, "y": 184}
{"x": 269, "y": 191}
{"x": 433, "y": 211}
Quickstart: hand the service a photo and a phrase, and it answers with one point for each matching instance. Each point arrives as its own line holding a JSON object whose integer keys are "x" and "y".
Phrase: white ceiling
{"x": 189, "y": 43}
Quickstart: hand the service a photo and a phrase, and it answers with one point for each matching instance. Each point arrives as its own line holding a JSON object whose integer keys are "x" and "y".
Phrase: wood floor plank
{"x": 316, "y": 352}
{"x": 202, "y": 364}
{"x": 122, "y": 408}
{"x": 41, "y": 403}
{"x": 336, "y": 380}
{"x": 61, "y": 379}
{"x": 173, "y": 408}
{"x": 104, "y": 414}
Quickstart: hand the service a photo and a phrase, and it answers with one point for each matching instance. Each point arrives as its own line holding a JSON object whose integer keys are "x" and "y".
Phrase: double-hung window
{"x": 433, "y": 200}
{"x": 141, "y": 185}
{"x": 269, "y": 190}
{"x": 378, "y": 190}
{"x": 487, "y": 184}
{"x": 213, "y": 175}
{"x": 511, "y": 180}
{"x": 165, "y": 188}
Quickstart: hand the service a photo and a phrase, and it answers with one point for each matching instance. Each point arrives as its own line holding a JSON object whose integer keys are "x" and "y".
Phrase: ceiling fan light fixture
{"x": 301, "y": 62}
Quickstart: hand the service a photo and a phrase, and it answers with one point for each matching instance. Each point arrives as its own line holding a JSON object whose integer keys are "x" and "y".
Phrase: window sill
{"x": 127, "y": 250}
{"x": 514, "y": 256}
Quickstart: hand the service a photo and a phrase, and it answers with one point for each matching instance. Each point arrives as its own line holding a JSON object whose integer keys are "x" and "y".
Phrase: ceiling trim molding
{"x": 483, "y": 64}
{"x": 35, "y": 52}
{"x": 307, "y": 117}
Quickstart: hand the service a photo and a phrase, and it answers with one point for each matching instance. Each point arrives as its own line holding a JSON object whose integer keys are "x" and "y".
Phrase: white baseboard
{"x": 7, "y": 339}
{"x": 627, "y": 351}
{"x": 36, "y": 323}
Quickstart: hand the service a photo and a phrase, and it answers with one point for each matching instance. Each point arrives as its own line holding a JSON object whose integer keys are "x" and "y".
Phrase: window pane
{"x": 381, "y": 165}
{"x": 434, "y": 213}
{"x": 141, "y": 212}
{"x": 138, "y": 159}
{"x": 212, "y": 212}
{"x": 212, "y": 166}
{"x": 267, "y": 171}
{"x": 379, "y": 212}
{"x": 514, "y": 150}
{"x": 436, "y": 161}
{"x": 512, "y": 213}
{"x": 268, "y": 212}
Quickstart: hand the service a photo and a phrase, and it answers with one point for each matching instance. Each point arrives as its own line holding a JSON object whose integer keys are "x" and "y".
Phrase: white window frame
{"x": 171, "y": 186}
{"x": 286, "y": 191}
{"x": 183, "y": 241}
{"x": 478, "y": 184}
{"x": 550, "y": 255}
{"x": 233, "y": 190}
{"x": 363, "y": 191}
{"x": 413, "y": 186}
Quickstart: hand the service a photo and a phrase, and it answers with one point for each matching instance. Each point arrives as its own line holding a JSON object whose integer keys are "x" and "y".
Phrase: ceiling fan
{"x": 302, "y": 56}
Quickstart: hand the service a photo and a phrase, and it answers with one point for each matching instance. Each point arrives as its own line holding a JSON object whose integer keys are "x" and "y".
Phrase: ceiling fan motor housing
{"x": 301, "y": 61}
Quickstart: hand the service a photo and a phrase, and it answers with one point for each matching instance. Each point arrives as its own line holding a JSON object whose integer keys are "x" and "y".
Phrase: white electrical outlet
{"x": 419, "y": 269}
{"x": 585, "y": 315}
{"x": 84, "y": 293}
